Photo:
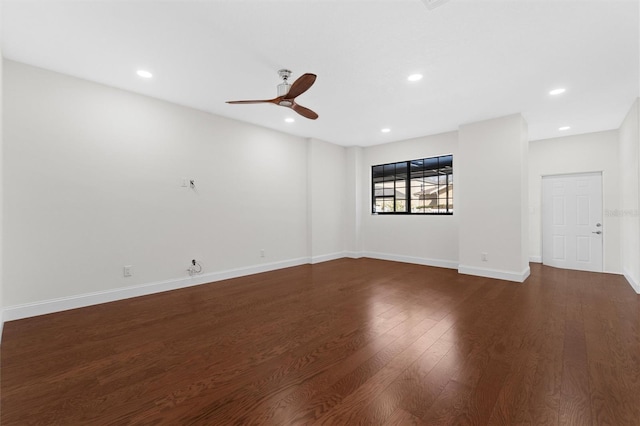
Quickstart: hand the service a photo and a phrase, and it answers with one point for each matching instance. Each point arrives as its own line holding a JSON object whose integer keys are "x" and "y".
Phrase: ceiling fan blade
{"x": 301, "y": 85}
{"x": 305, "y": 112}
{"x": 252, "y": 102}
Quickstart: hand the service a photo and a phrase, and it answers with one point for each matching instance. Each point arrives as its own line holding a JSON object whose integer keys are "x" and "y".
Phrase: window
{"x": 422, "y": 186}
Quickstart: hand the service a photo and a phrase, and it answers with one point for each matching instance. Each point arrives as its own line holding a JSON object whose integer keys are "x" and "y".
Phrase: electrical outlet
{"x": 185, "y": 182}
{"x": 194, "y": 268}
{"x": 483, "y": 256}
{"x": 127, "y": 270}
{"x": 261, "y": 252}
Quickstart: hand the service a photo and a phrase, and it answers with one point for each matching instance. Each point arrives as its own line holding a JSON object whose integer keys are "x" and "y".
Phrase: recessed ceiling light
{"x": 415, "y": 77}
{"x": 385, "y": 130}
{"x": 564, "y": 128}
{"x": 144, "y": 74}
{"x": 558, "y": 91}
{"x": 289, "y": 120}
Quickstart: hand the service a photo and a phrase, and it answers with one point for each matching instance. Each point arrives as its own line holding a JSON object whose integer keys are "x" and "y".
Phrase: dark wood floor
{"x": 343, "y": 342}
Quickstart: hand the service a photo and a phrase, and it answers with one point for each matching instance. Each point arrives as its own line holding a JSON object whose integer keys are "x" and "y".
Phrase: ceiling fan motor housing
{"x": 283, "y": 88}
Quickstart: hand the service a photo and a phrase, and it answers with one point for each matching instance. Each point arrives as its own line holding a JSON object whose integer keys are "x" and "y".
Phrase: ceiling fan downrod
{"x": 284, "y": 87}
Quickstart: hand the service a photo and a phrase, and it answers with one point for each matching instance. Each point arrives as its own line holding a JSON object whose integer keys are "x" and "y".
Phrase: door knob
{"x": 597, "y": 232}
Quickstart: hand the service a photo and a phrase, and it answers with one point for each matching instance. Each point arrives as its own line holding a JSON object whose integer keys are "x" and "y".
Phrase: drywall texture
{"x": 491, "y": 179}
{"x": 93, "y": 182}
{"x": 629, "y": 212}
{"x": 592, "y": 152}
{"x": 419, "y": 238}
{"x": 353, "y": 200}
{"x": 327, "y": 199}
{"x": 1, "y": 183}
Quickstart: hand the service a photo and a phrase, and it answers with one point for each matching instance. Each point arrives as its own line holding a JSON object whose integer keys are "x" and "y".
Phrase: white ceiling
{"x": 480, "y": 59}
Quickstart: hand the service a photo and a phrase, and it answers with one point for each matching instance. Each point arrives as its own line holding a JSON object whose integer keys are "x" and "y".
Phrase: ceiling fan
{"x": 288, "y": 92}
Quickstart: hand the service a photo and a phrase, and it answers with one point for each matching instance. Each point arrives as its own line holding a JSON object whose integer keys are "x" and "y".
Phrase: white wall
{"x": 353, "y": 199}
{"x": 430, "y": 240}
{"x": 1, "y": 187}
{"x": 629, "y": 213}
{"x": 491, "y": 180}
{"x": 327, "y": 200}
{"x": 93, "y": 182}
{"x": 590, "y": 152}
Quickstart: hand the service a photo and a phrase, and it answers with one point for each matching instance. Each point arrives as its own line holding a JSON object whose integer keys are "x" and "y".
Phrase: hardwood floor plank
{"x": 402, "y": 418}
{"x": 478, "y": 406}
{"x": 380, "y": 408}
{"x": 353, "y": 380}
{"x": 575, "y": 404}
{"x": 351, "y": 341}
{"x": 547, "y": 339}
{"x": 613, "y": 363}
{"x": 377, "y": 410}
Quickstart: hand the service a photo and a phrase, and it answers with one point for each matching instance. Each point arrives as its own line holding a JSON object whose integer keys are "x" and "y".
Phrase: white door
{"x": 572, "y": 221}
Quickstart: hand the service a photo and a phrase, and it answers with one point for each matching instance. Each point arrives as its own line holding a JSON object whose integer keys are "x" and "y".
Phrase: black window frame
{"x": 406, "y": 172}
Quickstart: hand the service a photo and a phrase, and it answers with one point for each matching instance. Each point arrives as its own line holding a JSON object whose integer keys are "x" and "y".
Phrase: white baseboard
{"x": 634, "y": 284}
{"x": 535, "y": 259}
{"x": 495, "y": 273}
{"x": 327, "y": 257}
{"x": 410, "y": 259}
{"x": 1, "y": 323}
{"x": 353, "y": 254}
{"x": 26, "y": 310}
